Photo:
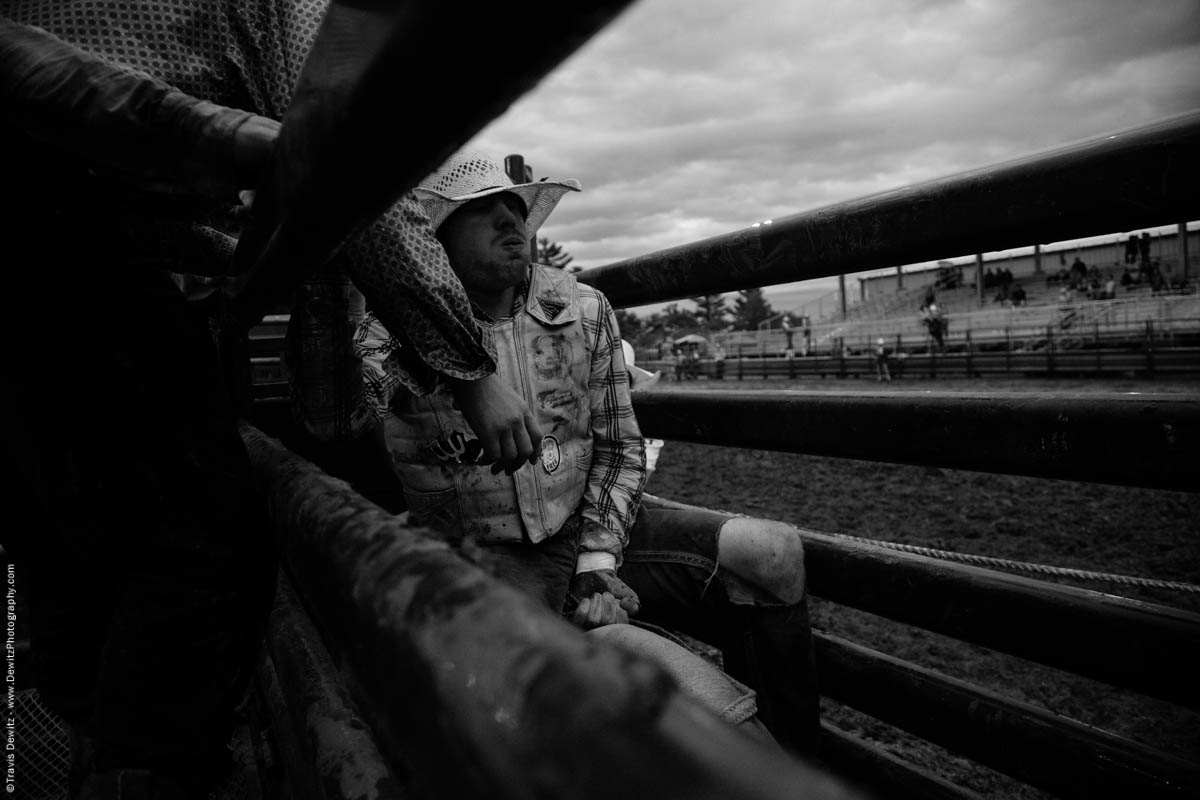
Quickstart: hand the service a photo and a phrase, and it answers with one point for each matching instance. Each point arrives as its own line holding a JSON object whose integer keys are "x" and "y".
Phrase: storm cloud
{"x": 686, "y": 119}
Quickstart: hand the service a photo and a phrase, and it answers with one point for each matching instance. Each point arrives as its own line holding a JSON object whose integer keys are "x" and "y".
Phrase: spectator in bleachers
{"x": 1158, "y": 281}
{"x": 1078, "y": 273}
{"x": 1144, "y": 248}
{"x": 1018, "y": 295}
{"x": 1127, "y": 278}
{"x": 1131, "y": 249}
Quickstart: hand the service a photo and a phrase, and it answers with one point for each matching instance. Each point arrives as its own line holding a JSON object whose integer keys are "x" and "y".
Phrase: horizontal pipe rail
{"x": 1133, "y": 440}
{"x": 475, "y": 690}
{"x": 1132, "y": 179}
{"x": 327, "y": 749}
{"x": 1050, "y": 752}
{"x": 344, "y": 136}
{"x": 883, "y": 772}
{"x": 1147, "y": 648}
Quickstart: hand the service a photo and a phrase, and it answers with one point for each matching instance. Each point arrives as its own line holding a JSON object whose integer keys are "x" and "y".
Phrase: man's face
{"x": 486, "y": 242}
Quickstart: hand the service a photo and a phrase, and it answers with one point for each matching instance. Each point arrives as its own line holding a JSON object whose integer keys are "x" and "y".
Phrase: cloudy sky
{"x": 686, "y": 119}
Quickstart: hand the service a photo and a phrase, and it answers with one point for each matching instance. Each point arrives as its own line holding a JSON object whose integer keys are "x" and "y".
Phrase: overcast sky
{"x": 686, "y": 119}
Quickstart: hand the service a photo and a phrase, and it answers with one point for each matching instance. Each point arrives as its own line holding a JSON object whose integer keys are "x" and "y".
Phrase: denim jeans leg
{"x": 767, "y": 644}
{"x": 543, "y": 570}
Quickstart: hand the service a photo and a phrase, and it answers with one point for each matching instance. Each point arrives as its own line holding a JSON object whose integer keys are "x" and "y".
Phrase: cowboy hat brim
{"x": 540, "y": 199}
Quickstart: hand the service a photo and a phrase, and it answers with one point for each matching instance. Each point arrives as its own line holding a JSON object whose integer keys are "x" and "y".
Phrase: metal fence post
{"x": 1050, "y": 348}
{"x": 1150, "y": 347}
{"x": 970, "y": 355}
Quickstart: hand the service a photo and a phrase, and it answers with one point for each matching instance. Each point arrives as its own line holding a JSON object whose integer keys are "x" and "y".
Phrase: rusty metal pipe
{"x": 360, "y": 131}
{"x": 474, "y": 690}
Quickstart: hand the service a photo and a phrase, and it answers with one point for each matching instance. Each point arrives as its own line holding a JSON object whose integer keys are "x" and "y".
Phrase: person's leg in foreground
{"x": 736, "y": 583}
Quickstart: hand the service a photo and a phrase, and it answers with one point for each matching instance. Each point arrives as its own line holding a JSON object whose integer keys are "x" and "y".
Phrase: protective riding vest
{"x": 544, "y": 354}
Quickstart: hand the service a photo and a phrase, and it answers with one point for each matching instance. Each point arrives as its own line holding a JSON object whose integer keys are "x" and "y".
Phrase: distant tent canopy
{"x": 691, "y": 338}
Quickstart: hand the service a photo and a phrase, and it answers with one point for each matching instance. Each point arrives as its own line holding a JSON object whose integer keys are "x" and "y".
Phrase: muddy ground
{"x": 1134, "y": 532}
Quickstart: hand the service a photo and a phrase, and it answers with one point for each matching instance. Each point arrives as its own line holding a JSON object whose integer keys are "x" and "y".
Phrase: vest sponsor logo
{"x": 551, "y": 454}
{"x": 456, "y": 447}
{"x": 552, "y": 356}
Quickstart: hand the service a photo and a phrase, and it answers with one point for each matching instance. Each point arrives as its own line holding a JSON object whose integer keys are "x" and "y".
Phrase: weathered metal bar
{"x": 474, "y": 690}
{"x": 883, "y": 772}
{"x": 1130, "y": 179}
{"x": 1144, "y": 647}
{"x": 1125, "y": 439}
{"x": 328, "y": 751}
{"x": 1064, "y": 757}
{"x": 344, "y": 135}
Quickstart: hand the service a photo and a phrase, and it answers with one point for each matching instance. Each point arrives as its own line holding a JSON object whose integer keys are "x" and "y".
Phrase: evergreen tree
{"x": 630, "y": 324}
{"x": 553, "y": 254}
{"x": 677, "y": 319}
{"x": 750, "y": 307}
{"x": 711, "y": 311}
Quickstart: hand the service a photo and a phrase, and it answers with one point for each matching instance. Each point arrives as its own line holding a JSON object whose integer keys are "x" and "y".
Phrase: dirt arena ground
{"x": 1126, "y": 531}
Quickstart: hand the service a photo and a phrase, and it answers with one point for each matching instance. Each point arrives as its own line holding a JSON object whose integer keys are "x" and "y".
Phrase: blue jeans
{"x": 543, "y": 571}
{"x": 672, "y": 564}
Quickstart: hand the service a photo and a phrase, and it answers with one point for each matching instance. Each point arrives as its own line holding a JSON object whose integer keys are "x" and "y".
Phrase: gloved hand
{"x": 602, "y": 599}
{"x": 597, "y": 611}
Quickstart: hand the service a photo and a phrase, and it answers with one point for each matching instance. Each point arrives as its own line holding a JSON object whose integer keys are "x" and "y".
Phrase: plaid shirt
{"x": 247, "y": 54}
{"x": 617, "y": 473}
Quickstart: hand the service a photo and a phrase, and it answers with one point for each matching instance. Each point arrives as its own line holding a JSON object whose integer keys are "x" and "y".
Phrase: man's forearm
{"x": 115, "y": 118}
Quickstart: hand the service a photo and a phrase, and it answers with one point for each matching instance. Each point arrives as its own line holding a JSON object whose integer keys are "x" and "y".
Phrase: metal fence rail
{"x": 1056, "y": 195}
{"x": 472, "y": 689}
{"x": 1147, "y": 440}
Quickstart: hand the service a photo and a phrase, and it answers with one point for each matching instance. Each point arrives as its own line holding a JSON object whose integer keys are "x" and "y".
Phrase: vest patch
{"x": 551, "y": 454}
{"x": 456, "y": 447}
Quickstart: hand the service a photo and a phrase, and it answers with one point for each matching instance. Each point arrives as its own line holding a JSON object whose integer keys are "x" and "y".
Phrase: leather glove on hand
{"x": 602, "y": 599}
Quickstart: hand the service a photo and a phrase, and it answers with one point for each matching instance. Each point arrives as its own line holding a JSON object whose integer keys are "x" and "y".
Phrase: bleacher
{"x": 1140, "y": 331}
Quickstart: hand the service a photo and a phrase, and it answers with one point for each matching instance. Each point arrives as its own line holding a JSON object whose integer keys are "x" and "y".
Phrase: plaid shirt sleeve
{"x": 342, "y": 364}
{"x": 618, "y": 471}
{"x": 319, "y": 359}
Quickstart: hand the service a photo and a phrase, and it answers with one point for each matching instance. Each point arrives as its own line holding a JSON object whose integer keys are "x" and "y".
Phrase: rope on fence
{"x": 989, "y": 561}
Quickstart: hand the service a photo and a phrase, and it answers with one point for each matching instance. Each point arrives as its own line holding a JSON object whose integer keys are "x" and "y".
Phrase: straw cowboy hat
{"x": 469, "y": 175}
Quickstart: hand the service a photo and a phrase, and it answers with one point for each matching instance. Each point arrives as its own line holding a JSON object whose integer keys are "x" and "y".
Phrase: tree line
{"x": 712, "y": 312}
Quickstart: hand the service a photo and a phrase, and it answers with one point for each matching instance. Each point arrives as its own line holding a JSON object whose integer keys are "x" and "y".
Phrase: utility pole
{"x": 979, "y": 277}
{"x": 1183, "y": 250}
